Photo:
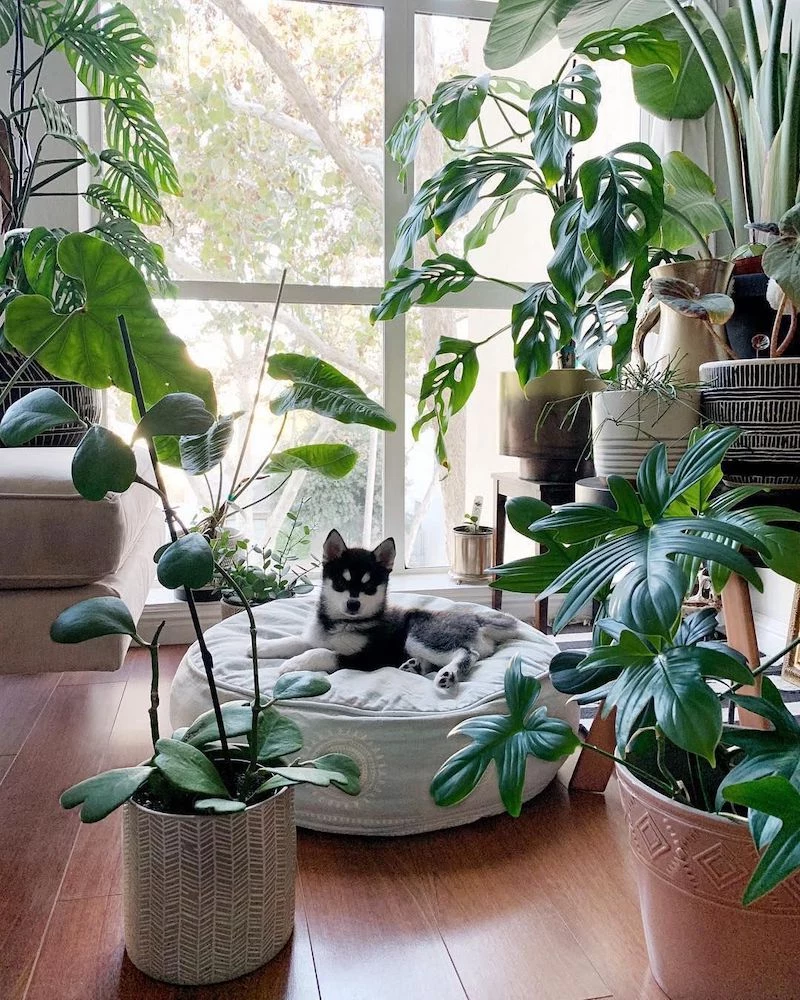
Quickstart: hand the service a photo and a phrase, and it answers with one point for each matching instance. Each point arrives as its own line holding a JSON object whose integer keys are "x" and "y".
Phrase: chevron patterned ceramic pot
{"x": 763, "y": 399}
{"x": 692, "y": 869}
{"x": 208, "y": 898}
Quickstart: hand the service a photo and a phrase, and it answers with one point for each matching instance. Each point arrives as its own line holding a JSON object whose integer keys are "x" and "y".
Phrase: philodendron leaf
{"x": 456, "y": 105}
{"x": 305, "y": 684}
{"x": 200, "y": 453}
{"x": 562, "y": 114}
{"x": 189, "y": 769}
{"x": 175, "y": 414}
{"x": 333, "y": 461}
{"x": 237, "y": 720}
{"x": 321, "y": 388}
{"x": 773, "y": 796}
{"x": 521, "y": 27}
{"x": 34, "y": 413}
{"x": 92, "y": 618}
{"x": 103, "y": 793}
{"x": 522, "y": 512}
{"x": 343, "y": 765}
{"x": 85, "y": 346}
{"x": 689, "y": 191}
{"x": 102, "y": 463}
{"x": 507, "y": 740}
{"x": 187, "y": 562}
{"x": 586, "y": 16}
{"x": 687, "y": 299}
{"x": 277, "y": 736}
{"x": 219, "y": 806}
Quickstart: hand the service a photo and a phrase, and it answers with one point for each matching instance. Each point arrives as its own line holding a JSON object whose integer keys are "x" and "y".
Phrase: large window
{"x": 277, "y": 111}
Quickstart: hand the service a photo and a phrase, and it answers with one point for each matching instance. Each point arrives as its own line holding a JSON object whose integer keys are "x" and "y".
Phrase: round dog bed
{"x": 395, "y": 724}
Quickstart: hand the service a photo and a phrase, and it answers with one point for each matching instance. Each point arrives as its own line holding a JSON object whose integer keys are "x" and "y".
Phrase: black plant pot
{"x": 205, "y": 596}
{"x": 753, "y": 316}
{"x": 86, "y": 402}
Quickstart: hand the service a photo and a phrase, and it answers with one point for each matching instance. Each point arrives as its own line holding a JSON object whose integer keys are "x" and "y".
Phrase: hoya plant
{"x": 667, "y": 679}
{"x": 238, "y": 753}
{"x": 612, "y": 217}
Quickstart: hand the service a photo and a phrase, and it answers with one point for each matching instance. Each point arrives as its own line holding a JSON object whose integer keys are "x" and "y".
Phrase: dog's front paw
{"x": 412, "y": 666}
{"x": 446, "y": 678}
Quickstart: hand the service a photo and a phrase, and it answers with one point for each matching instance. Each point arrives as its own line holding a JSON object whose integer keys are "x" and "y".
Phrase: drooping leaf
{"x": 521, "y": 27}
{"x": 94, "y": 617}
{"x": 687, "y": 299}
{"x": 237, "y": 720}
{"x": 570, "y": 676}
{"x": 436, "y": 278}
{"x": 541, "y": 324}
{"x": 128, "y": 239}
{"x": 57, "y": 123}
{"x": 404, "y": 140}
{"x": 188, "y": 769}
{"x": 303, "y": 684}
{"x": 781, "y": 259}
{"x": 310, "y": 776}
{"x": 570, "y": 268}
{"x": 562, "y": 114}
{"x": 34, "y": 413}
{"x": 344, "y": 765}
{"x": 133, "y": 186}
{"x": 201, "y": 453}
{"x": 587, "y": 16}
{"x": 277, "y": 736}
{"x": 187, "y": 562}
{"x": 103, "y": 793}
{"x": 498, "y": 211}
{"x": 133, "y": 129}
{"x": 456, "y": 105}
{"x": 175, "y": 414}
{"x": 607, "y": 322}
{"x": 331, "y": 460}
{"x": 102, "y": 463}
{"x": 321, "y": 388}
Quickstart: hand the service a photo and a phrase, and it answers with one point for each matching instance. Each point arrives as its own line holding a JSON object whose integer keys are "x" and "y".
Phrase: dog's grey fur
{"x": 354, "y": 627}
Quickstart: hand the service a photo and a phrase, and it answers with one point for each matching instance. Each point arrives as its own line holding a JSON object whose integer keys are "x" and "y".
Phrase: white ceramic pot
{"x": 208, "y": 898}
{"x": 626, "y": 424}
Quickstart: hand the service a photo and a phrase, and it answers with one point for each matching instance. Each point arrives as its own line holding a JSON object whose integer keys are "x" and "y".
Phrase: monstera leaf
{"x": 639, "y": 45}
{"x": 689, "y": 193}
{"x": 456, "y": 105}
{"x": 562, "y": 114}
{"x": 541, "y": 324}
{"x": 446, "y": 388}
{"x": 410, "y": 286}
{"x": 84, "y": 345}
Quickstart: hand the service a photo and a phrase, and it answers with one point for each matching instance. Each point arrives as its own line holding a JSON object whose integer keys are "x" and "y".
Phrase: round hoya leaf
{"x": 187, "y": 562}
{"x": 92, "y": 618}
{"x": 35, "y": 413}
{"x": 102, "y": 464}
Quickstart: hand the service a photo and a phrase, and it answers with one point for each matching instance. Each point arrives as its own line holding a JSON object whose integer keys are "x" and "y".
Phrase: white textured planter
{"x": 208, "y": 898}
{"x": 626, "y": 424}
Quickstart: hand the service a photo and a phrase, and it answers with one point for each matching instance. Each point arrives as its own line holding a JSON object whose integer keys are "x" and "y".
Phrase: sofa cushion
{"x": 49, "y": 535}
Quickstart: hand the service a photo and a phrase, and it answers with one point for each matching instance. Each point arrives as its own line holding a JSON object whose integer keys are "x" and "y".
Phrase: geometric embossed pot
{"x": 208, "y": 898}
{"x": 692, "y": 868}
{"x": 763, "y": 399}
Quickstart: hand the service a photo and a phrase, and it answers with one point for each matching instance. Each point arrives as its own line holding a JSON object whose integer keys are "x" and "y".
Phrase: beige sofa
{"x": 57, "y": 548}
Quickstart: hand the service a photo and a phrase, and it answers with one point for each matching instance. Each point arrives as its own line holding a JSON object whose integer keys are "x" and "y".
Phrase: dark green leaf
{"x": 175, "y": 414}
{"x": 146, "y": 256}
{"x": 523, "y": 512}
{"x": 570, "y": 676}
{"x": 303, "y": 684}
{"x": 541, "y": 324}
{"x": 91, "y": 618}
{"x": 34, "y": 413}
{"x": 405, "y": 137}
{"x": 436, "y": 278}
{"x": 639, "y": 45}
{"x": 103, "y": 793}
{"x": 133, "y": 186}
{"x": 187, "y": 562}
{"x": 237, "y": 720}
{"x": 203, "y": 452}
{"x": 341, "y": 763}
{"x": 189, "y": 769}
{"x": 570, "y": 269}
{"x": 562, "y": 114}
{"x": 102, "y": 464}
{"x": 277, "y": 736}
{"x": 456, "y": 105}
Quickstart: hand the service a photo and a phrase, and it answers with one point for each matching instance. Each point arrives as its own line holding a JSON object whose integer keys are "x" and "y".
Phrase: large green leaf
{"x": 562, "y": 114}
{"x": 639, "y": 45}
{"x": 586, "y": 17}
{"x": 689, "y": 191}
{"x": 200, "y": 453}
{"x": 456, "y": 105}
{"x": 408, "y": 286}
{"x": 132, "y": 128}
{"x": 103, "y": 793}
{"x": 521, "y": 513}
{"x": 112, "y": 286}
{"x": 570, "y": 268}
{"x": 189, "y": 769}
{"x": 237, "y": 720}
{"x": 133, "y": 186}
{"x": 607, "y": 322}
{"x": 507, "y": 740}
{"x": 623, "y": 196}
{"x": 321, "y": 388}
{"x": 175, "y": 414}
{"x": 126, "y": 237}
{"x": 521, "y": 27}
{"x": 406, "y": 136}
{"x": 35, "y": 413}
{"x": 94, "y": 617}
{"x": 498, "y": 211}
{"x": 541, "y": 324}
{"x": 446, "y": 387}
{"x": 775, "y": 796}
{"x": 187, "y": 562}
{"x": 102, "y": 463}
{"x": 277, "y": 736}
{"x": 331, "y": 460}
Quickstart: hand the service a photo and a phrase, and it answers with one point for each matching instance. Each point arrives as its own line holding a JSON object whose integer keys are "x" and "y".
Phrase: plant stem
{"x": 649, "y": 778}
{"x": 205, "y": 654}
{"x": 762, "y": 668}
{"x": 719, "y": 339}
{"x": 776, "y": 327}
{"x": 153, "y": 710}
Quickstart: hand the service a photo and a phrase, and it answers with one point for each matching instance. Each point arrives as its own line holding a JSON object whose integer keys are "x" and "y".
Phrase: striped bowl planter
{"x": 87, "y": 402}
{"x": 763, "y": 399}
{"x": 208, "y": 898}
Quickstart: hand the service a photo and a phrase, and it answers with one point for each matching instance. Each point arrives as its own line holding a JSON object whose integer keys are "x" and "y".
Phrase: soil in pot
{"x": 692, "y": 869}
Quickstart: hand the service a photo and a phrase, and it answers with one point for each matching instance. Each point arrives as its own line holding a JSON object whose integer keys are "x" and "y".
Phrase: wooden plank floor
{"x": 541, "y": 908}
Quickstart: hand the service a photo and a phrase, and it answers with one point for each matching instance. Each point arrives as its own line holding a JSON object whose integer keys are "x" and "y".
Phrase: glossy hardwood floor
{"x": 541, "y": 908}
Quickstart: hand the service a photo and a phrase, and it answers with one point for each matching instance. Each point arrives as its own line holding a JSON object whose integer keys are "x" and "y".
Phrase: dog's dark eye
{"x": 369, "y": 589}
{"x": 339, "y": 585}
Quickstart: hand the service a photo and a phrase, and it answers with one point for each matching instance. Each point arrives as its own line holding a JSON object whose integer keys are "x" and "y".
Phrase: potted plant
{"x": 472, "y": 547}
{"x": 608, "y": 212}
{"x": 267, "y": 574}
{"x": 208, "y": 835}
{"x": 689, "y": 782}
{"x": 41, "y": 144}
{"x": 686, "y": 60}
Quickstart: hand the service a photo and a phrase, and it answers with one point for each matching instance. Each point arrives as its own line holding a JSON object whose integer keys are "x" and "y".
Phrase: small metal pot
{"x": 472, "y": 553}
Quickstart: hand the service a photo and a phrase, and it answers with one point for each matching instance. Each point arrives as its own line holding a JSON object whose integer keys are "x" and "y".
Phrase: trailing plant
{"x": 40, "y": 143}
{"x": 238, "y": 753}
{"x": 667, "y": 679}
{"x": 685, "y": 60}
{"x": 610, "y": 215}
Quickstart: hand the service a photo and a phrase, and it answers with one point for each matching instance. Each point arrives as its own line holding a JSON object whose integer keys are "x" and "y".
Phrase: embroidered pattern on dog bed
{"x": 394, "y": 724}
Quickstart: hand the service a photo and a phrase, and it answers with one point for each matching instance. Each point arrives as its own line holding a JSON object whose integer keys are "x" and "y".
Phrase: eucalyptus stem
{"x": 154, "y": 677}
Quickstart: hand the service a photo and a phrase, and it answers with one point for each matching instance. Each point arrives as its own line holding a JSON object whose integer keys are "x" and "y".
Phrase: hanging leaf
{"x": 133, "y": 186}
{"x": 57, "y": 123}
{"x": 175, "y": 414}
{"x": 103, "y": 793}
{"x": 521, "y": 27}
{"x": 323, "y": 389}
{"x": 492, "y": 218}
{"x": 102, "y": 463}
{"x": 334, "y": 461}
{"x": 101, "y": 197}
{"x": 436, "y": 278}
{"x": 456, "y": 105}
{"x": 446, "y": 388}
{"x": 639, "y": 45}
{"x": 92, "y": 618}
{"x": 687, "y": 299}
{"x": 34, "y": 413}
{"x": 562, "y": 114}
{"x": 200, "y": 453}
{"x": 132, "y": 128}
{"x": 570, "y": 269}
{"x": 187, "y": 562}
{"x": 603, "y": 324}
{"x": 405, "y": 137}
{"x": 219, "y": 806}
{"x": 541, "y": 324}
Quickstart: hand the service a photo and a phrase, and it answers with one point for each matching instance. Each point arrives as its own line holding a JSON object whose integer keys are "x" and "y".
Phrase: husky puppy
{"x": 354, "y": 627}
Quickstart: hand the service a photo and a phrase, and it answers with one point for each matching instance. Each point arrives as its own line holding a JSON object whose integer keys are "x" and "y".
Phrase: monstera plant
{"x": 612, "y": 217}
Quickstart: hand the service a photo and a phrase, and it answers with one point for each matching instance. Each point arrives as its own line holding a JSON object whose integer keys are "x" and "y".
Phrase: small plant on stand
{"x": 471, "y": 547}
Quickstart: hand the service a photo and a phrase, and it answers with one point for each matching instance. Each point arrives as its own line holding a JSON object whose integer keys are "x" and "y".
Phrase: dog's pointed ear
{"x": 333, "y": 546}
{"x": 385, "y": 552}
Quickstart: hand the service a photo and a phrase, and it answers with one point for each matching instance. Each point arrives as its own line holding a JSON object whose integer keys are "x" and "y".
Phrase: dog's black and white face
{"x": 354, "y": 580}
